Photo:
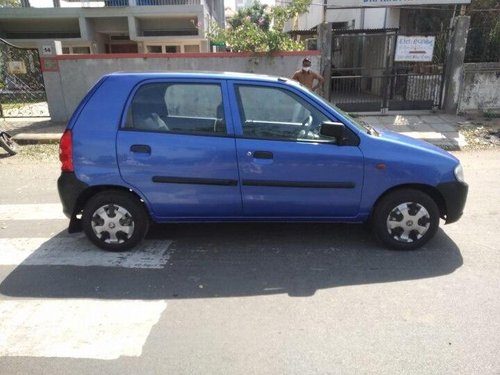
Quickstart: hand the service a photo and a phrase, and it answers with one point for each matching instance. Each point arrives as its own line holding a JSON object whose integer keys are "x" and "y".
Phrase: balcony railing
{"x": 101, "y": 3}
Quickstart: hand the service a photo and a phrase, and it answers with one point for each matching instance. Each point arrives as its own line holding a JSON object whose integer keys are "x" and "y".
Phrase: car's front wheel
{"x": 405, "y": 219}
{"x": 114, "y": 220}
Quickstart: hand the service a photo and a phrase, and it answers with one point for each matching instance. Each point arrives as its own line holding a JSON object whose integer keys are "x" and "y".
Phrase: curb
{"x": 37, "y": 138}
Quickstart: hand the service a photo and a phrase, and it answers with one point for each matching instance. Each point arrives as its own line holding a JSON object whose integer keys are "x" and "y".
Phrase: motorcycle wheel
{"x": 8, "y": 144}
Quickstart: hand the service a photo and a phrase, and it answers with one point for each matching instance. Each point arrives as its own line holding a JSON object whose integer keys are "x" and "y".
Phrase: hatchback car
{"x": 198, "y": 147}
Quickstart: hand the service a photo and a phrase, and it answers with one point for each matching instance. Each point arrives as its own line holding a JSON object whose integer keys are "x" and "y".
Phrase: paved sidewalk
{"x": 436, "y": 128}
{"x": 33, "y": 130}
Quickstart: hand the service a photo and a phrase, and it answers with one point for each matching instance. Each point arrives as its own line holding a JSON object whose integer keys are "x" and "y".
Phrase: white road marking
{"x": 77, "y": 328}
{"x": 45, "y": 211}
{"x": 74, "y": 328}
{"x": 78, "y": 251}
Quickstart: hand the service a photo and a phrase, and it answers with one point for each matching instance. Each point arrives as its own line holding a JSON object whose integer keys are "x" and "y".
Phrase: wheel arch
{"x": 83, "y": 198}
{"x": 431, "y": 191}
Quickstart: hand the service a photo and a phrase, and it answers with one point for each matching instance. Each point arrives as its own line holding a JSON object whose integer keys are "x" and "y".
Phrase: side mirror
{"x": 333, "y": 130}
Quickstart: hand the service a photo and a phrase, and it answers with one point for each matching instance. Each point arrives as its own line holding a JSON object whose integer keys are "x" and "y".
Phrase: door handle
{"x": 263, "y": 155}
{"x": 143, "y": 149}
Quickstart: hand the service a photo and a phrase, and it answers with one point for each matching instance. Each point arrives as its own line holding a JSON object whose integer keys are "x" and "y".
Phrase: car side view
{"x": 199, "y": 147}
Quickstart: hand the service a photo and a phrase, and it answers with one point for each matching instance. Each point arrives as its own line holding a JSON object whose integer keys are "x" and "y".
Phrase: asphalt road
{"x": 246, "y": 298}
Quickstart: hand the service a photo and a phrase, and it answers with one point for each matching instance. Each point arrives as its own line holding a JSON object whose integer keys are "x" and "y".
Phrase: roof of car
{"x": 199, "y": 74}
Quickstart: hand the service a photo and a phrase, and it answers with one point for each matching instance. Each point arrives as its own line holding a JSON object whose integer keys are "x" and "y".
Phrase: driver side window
{"x": 274, "y": 113}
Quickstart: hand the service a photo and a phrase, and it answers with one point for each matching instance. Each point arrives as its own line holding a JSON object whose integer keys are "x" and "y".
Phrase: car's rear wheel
{"x": 114, "y": 220}
{"x": 405, "y": 219}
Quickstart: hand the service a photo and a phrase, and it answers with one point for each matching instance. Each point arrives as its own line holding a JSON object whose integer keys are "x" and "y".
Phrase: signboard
{"x": 414, "y": 48}
{"x": 47, "y": 50}
{"x": 16, "y": 67}
{"x": 389, "y": 3}
{"x": 49, "y": 65}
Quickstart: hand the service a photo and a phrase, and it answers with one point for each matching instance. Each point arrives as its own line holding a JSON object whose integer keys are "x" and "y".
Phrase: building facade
{"x": 364, "y": 14}
{"x": 113, "y": 26}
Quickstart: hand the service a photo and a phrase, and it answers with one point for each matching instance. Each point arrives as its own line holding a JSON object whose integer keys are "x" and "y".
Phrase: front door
{"x": 288, "y": 170}
{"x": 177, "y": 149}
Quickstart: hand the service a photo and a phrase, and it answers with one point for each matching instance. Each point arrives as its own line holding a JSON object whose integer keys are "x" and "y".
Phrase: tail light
{"x": 66, "y": 152}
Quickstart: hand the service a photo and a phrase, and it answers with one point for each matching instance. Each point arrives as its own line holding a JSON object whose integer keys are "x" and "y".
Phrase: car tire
{"x": 405, "y": 219}
{"x": 115, "y": 220}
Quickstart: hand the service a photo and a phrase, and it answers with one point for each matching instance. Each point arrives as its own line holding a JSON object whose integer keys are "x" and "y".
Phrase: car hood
{"x": 412, "y": 143}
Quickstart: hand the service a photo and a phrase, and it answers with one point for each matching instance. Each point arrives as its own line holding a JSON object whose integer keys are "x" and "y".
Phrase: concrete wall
{"x": 480, "y": 88}
{"x": 68, "y": 78}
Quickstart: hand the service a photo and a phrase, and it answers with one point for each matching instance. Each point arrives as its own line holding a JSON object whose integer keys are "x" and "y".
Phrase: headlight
{"x": 459, "y": 173}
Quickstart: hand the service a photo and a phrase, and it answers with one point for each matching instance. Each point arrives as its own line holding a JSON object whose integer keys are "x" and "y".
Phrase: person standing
{"x": 307, "y": 77}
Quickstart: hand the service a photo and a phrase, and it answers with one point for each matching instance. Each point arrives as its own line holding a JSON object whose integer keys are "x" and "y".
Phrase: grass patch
{"x": 39, "y": 152}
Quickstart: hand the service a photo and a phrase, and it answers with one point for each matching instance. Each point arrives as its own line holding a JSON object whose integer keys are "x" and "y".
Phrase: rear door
{"x": 176, "y": 147}
{"x": 287, "y": 170}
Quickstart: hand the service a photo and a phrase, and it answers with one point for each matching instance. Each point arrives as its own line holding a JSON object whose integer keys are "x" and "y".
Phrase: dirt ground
{"x": 481, "y": 131}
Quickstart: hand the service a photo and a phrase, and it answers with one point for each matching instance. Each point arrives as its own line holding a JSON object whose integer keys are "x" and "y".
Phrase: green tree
{"x": 259, "y": 28}
{"x": 10, "y": 3}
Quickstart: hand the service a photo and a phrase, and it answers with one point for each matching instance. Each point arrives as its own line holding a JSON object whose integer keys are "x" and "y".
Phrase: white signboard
{"x": 389, "y": 3}
{"x": 414, "y": 48}
{"x": 16, "y": 67}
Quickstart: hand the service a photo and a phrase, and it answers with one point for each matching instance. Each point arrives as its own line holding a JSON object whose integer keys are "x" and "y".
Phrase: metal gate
{"x": 22, "y": 91}
{"x": 365, "y": 76}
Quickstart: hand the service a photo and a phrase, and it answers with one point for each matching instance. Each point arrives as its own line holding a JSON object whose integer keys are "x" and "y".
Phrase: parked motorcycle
{"x": 7, "y": 143}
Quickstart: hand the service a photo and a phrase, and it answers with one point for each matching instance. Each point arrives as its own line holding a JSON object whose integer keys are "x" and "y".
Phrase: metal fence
{"x": 396, "y": 91}
{"x": 483, "y": 45}
{"x": 22, "y": 90}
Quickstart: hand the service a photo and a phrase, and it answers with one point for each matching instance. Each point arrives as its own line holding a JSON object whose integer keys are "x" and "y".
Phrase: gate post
{"x": 390, "y": 41}
{"x": 52, "y": 79}
{"x": 455, "y": 63}
{"x": 325, "y": 46}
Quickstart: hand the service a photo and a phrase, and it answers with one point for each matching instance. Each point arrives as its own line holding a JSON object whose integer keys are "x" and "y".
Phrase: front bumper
{"x": 455, "y": 196}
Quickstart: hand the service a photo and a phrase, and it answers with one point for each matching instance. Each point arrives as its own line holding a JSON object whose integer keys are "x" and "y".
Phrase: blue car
{"x": 199, "y": 147}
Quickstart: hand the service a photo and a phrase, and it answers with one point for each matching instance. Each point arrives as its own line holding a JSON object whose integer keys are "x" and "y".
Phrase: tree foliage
{"x": 10, "y": 3}
{"x": 259, "y": 28}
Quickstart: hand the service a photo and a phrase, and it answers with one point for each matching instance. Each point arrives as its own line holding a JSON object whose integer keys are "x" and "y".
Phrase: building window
{"x": 172, "y": 49}
{"x": 192, "y": 48}
{"x": 81, "y": 50}
{"x": 76, "y": 50}
{"x": 154, "y": 49}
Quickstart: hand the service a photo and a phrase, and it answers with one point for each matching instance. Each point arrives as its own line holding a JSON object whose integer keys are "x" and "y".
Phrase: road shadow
{"x": 227, "y": 260}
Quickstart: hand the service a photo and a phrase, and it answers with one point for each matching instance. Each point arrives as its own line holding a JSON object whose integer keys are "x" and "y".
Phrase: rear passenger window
{"x": 179, "y": 108}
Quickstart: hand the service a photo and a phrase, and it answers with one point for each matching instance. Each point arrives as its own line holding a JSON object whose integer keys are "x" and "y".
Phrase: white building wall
{"x": 368, "y": 18}
{"x": 374, "y": 18}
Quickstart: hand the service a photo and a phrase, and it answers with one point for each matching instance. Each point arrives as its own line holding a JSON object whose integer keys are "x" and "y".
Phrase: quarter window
{"x": 178, "y": 108}
{"x": 273, "y": 113}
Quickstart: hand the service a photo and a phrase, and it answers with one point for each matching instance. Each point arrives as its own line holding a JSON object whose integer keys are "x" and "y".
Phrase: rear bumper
{"x": 455, "y": 196}
{"x": 70, "y": 189}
